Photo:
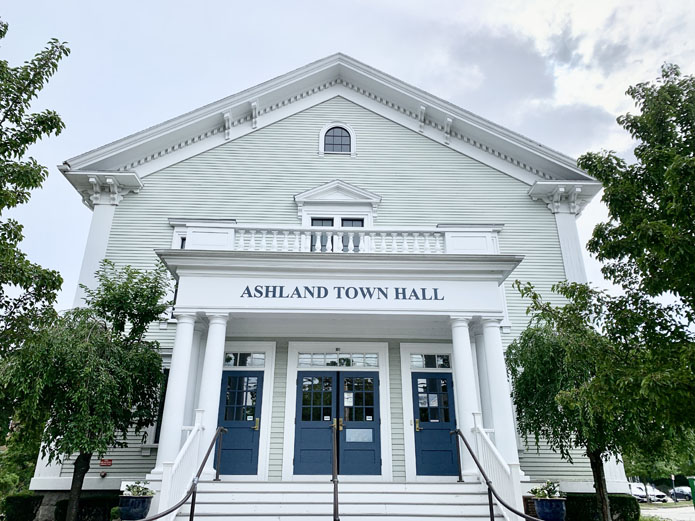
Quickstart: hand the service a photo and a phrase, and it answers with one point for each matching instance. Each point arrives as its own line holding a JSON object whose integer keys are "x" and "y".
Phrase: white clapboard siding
{"x": 253, "y": 179}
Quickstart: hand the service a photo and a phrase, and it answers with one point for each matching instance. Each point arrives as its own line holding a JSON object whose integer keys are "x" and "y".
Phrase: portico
{"x": 446, "y": 307}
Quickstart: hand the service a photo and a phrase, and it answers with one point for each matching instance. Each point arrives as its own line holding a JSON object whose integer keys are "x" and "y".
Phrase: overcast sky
{"x": 555, "y": 71}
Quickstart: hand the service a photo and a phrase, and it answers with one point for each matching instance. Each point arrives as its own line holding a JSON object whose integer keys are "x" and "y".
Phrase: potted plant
{"x": 135, "y": 502}
{"x": 549, "y": 505}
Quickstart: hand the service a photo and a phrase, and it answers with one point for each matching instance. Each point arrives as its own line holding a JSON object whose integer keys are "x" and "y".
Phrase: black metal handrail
{"x": 193, "y": 489}
{"x": 334, "y": 477}
{"x": 488, "y": 482}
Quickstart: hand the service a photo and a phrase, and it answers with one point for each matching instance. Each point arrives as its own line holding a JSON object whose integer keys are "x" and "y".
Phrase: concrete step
{"x": 375, "y": 501}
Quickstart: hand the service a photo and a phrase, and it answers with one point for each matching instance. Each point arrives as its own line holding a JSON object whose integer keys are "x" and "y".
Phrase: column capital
{"x": 460, "y": 320}
{"x": 491, "y": 322}
{"x": 217, "y": 318}
{"x": 185, "y": 318}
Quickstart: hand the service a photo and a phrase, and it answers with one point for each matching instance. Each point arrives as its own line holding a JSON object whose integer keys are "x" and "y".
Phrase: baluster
{"x": 319, "y": 247}
{"x": 439, "y": 242}
{"x": 351, "y": 242}
{"x": 382, "y": 246}
{"x": 285, "y": 244}
{"x": 274, "y": 242}
{"x": 252, "y": 241}
{"x": 264, "y": 241}
{"x": 239, "y": 236}
{"x": 361, "y": 242}
{"x": 416, "y": 246}
{"x": 371, "y": 247}
{"x": 297, "y": 238}
{"x": 427, "y": 237}
{"x": 394, "y": 244}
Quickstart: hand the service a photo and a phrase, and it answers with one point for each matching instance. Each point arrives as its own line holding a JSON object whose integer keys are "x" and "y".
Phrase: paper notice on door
{"x": 347, "y": 399}
{"x": 326, "y": 418}
{"x": 249, "y": 418}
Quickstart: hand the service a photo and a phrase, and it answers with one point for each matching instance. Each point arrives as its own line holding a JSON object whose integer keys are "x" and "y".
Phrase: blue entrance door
{"x": 351, "y": 399}
{"x": 435, "y": 418}
{"x": 240, "y": 414}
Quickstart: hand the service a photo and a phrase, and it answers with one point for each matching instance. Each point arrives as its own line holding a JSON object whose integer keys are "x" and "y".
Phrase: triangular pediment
{"x": 173, "y": 141}
{"x": 337, "y": 192}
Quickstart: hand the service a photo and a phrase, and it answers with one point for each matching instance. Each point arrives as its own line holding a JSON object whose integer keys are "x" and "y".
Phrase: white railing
{"x": 338, "y": 240}
{"x": 211, "y": 235}
{"x": 177, "y": 475}
{"x": 504, "y": 476}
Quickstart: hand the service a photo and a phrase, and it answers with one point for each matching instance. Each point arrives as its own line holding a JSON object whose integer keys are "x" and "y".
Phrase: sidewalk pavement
{"x": 684, "y": 513}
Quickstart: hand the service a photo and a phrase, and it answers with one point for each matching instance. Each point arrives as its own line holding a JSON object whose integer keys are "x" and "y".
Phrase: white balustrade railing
{"x": 504, "y": 476}
{"x": 337, "y": 240}
{"x": 178, "y": 475}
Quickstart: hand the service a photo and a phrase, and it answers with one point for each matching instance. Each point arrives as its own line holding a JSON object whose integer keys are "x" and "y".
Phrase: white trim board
{"x": 267, "y": 405}
{"x": 381, "y": 348}
{"x": 408, "y": 421}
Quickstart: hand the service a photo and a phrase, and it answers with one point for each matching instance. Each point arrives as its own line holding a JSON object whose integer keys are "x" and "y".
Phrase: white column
{"x": 95, "y": 249}
{"x": 483, "y": 383}
{"x": 500, "y": 393}
{"x": 173, "y": 415}
{"x": 211, "y": 380}
{"x": 465, "y": 389}
{"x": 193, "y": 382}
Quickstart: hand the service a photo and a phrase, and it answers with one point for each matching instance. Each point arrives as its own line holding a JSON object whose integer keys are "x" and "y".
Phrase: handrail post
{"x": 164, "y": 492}
{"x": 193, "y": 497}
{"x": 489, "y": 501}
{"x": 458, "y": 454}
{"x": 334, "y": 477}
{"x": 219, "y": 454}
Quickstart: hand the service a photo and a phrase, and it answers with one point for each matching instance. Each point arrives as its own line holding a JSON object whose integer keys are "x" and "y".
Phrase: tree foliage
{"x": 27, "y": 291}
{"x": 648, "y": 244}
{"x": 605, "y": 374}
{"x": 91, "y": 377}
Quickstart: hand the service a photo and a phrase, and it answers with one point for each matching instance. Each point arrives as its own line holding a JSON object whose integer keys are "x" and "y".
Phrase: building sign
{"x": 342, "y": 292}
{"x": 339, "y": 294}
{"x": 105, "y": 462}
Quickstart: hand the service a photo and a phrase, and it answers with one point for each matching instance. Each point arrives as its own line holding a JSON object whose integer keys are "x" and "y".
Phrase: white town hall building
{"x": 343, "y": 246}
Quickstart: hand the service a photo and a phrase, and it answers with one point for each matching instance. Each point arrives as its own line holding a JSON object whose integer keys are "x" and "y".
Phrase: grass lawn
{"x": 657, "y": 506}
{"x": 650, "y": 518}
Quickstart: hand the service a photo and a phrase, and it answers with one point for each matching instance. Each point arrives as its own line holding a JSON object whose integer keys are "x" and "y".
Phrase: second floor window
{"x": 337, "y": 139}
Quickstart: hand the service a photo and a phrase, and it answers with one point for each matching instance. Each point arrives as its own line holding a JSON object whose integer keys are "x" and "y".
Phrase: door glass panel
{"x": 358, "y": 399}
{"x": 317, "y": 392}
{"x": 433, "y": 399}
{"x": 240, "y": 398}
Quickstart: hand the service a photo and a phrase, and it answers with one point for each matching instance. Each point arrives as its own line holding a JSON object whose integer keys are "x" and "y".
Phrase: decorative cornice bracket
{"x": 447, "y": 131}
{"x": 103, "y": 188}
{"x": 254, "y": 114}
{"x": 227, "y": 115}
{"x": 565, "y": 196}
{"x": 421, "y": 117}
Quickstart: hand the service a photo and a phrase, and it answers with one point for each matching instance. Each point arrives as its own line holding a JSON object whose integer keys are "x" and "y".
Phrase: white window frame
{"x": 267, "y": 404}
{"x": 382, "y": 349}
{"x": 348, "y": 129}
{"x": 408, "y": 420}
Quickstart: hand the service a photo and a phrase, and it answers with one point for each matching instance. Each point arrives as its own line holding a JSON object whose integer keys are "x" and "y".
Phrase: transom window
{"x": 244, "y": 360}
{"x": 338, "y": 360}
{"x": 420, "y": 361}
{"x": 337, "y": 139}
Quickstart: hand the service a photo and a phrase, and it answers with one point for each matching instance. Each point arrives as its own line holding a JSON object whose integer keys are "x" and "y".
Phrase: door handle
{"x": 417, "y": 426}
{"x": 334, "y": 424}
{"x": 256, "y": 425}
{"x": 340, "y": 424}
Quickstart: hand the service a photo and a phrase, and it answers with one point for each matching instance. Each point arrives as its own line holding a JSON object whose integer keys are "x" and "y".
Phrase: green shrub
{"x": 94, "y": 508}
{"x": 584, "y": 507}
{"x": 21, "y": 507}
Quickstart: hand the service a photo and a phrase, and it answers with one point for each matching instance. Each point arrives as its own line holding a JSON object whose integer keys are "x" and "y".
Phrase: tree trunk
{"x": 646, "y": 492}
{"x": 600, "y": 485}
{"x": 78, "y": 474}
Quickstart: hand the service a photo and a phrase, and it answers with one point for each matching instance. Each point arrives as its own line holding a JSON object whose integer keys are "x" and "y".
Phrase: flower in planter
{"x": 548, "y": 490}
{"x": 139, "y": 489}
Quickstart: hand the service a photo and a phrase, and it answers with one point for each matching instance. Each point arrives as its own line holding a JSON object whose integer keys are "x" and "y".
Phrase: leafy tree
{"x": 27, "y": 291}
{"x": 595, "y": 374}
{"x": 91, "y": 377}
{"x": 648, "y": 244}
{"x": 675, "y": 457}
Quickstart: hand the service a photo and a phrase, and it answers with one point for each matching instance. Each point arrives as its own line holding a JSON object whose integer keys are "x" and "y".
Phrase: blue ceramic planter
{"x": 134, "y": 507}
{"x": 550, "y": 509}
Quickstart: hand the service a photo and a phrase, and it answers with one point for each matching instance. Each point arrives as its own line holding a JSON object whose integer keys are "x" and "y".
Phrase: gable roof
{"x": 337, "y": 75}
